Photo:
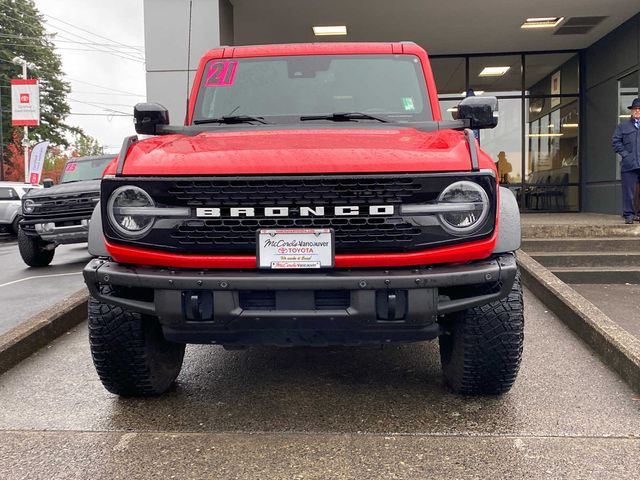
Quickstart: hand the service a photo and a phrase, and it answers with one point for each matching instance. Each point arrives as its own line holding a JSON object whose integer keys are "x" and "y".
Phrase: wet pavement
{"x": 323, "y": 413}
{"x": 620, "y": 302}
{"x": 26, "y": 291}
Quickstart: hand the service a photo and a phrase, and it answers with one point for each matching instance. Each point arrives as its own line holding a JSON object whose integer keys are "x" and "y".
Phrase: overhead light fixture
{"x": 335, "y": 30}
{"x": 452, "y": 109}
{"x": 542, "y": 22}
{"x": 493, "y": 71}
{"x": 476, "y": 92}
{"x": 569, "y": 125}
{"x": 536, "y": 135}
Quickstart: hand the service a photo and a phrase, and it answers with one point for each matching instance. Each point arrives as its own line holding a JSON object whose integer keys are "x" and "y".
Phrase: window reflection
{"x": 503, "y": 143}
{"x": 493, "y": 82}
{"x": 552, "y": 161}
{"x": 536, "y": 151}
{"x": 449, "y": 74}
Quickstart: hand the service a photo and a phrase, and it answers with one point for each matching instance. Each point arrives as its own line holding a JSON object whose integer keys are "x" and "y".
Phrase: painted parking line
{"x": 39, "y": 276}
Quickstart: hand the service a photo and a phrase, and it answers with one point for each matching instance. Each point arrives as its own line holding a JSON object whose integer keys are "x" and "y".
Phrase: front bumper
{"x": 243, "y": 307}
{"x": 64, "y": 230}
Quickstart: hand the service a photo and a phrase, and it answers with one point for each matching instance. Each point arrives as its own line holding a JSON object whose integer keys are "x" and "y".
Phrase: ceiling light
{"x": 336, "y": 30}
{"x": 569, "y": 125}
{"x": 476, "y": 92}
{"x": 452, "y": 109}
{"x": 493, "y": 71}
{"x": 542, "y": 22}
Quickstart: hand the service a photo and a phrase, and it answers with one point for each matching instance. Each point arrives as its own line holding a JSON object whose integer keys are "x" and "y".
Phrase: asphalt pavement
{"x": 27, "y": 291}
{"x": 268, "y": 413}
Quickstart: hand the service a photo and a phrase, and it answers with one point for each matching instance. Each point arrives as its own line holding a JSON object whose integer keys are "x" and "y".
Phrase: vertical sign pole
{"x": 25, "y": 140}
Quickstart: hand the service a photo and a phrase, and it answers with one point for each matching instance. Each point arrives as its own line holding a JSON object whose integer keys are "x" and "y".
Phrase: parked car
{"x": 313, "y": 197}
{"x": 60, "y": 214}
{"x": 11, "y": 194}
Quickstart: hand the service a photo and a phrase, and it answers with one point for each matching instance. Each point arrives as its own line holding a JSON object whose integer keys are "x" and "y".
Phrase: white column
{"x": 170, "y": 71}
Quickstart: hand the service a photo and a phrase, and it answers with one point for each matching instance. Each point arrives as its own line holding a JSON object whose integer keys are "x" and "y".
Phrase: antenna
{"x": 186, "y": 112}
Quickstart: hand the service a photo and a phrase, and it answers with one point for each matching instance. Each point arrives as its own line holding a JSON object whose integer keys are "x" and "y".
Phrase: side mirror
{"x": 481, "y": 112}
{"x": 147, "y": 116}
{"x": 47, "y": 183}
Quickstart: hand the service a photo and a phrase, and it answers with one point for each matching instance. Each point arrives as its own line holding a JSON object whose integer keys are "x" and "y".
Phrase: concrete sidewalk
{"x": 619, "y": 301}
{"x": 585, "y": 267}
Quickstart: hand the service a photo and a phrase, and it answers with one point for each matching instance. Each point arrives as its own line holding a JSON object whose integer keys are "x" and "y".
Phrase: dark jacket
{"x": 626, "y": 143}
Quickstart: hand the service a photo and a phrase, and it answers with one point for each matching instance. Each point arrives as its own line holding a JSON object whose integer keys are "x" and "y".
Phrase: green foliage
{"x": 86, "y": 146}
{"x": 22, "y": 34}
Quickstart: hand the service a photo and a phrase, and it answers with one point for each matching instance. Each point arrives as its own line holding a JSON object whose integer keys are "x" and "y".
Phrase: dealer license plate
{"x": 295, "y": 248}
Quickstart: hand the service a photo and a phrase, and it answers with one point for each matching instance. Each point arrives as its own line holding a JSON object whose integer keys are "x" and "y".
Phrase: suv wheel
{"x": 33, "y": 250}
{"x": 130, "y": 354}
{"x": 482, "y": 353}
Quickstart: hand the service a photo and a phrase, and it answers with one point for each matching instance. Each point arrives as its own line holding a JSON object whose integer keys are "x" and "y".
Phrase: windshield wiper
{"x": 343, "y": 117}
{"x": 229, "y": 119}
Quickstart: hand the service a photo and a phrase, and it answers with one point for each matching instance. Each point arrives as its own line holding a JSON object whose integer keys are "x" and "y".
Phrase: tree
{"x": 14, "y": 171}
{"x": 54, "y": 164}
{"x": 22, "y": 34}
{"x": 86, "y": 146}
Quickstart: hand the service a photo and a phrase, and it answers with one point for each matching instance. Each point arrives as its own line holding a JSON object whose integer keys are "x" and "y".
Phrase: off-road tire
{"x": 33, "y": 251}
{"x": 130, "y": 354}
{"x": 481, "y": 353}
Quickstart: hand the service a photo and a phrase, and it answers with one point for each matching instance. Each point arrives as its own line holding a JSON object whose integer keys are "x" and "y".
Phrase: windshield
{"x": 283, "y": 89}
{"x": 75, "y": 171}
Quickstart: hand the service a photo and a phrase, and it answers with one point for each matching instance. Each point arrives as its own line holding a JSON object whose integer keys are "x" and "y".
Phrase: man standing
{"x": 626, "y": 143}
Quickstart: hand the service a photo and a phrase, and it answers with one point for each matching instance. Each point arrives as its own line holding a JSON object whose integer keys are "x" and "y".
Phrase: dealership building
{"x": 564, "y": 72}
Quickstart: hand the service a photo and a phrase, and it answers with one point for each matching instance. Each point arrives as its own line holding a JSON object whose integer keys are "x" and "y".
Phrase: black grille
{"x": 353, "y": 234}
{"x": 293, "y": 191}
{"x": 82, "y": 202}
{"x": 348, "y": 231}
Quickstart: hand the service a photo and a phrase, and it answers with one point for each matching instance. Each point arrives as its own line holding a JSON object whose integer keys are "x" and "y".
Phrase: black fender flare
{"x": 509, "y": 231}
{"x": 97, "y": 247}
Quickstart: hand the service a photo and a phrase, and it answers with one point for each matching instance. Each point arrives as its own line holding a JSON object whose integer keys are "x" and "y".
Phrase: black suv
{"x": 60, "y": 214}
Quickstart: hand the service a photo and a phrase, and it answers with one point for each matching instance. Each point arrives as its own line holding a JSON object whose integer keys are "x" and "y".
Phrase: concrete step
{"x": 530, "y": 231}
{"x": 617, "y": 275}
{"x": 603, "y": 244}
{"x": 604, "y": 258}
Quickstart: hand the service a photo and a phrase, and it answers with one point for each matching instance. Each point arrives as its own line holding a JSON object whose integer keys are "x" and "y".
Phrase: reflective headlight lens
{"x": 123, "y": 217}
{"x": 28, "y": 206}
{"x": 472, "y": 216}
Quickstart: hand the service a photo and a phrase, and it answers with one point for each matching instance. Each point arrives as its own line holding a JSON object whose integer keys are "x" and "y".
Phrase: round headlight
{"x": 474, "y": 203}
{"x": 124, "y": 214}
{"x": 28, "y": 206}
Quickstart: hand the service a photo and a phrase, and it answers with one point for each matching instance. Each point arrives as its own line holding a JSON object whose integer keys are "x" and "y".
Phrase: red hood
{"x": 336, "y": 150}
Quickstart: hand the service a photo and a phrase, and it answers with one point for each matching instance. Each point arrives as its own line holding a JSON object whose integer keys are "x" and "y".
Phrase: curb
{"x": 617, "y": 348}
{"x": 41, "y": 329}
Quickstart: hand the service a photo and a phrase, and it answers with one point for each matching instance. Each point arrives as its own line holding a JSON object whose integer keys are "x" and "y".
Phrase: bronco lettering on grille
{"x": 303, "y": 211}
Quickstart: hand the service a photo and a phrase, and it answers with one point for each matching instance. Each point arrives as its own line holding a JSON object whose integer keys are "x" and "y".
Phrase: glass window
{"x": 282, "y": 89}
{"x": 84, "y": 169}
{"x": 545, "y": 176}
{"x": 8, "y": 194}
{"x": 496, "y": 75}
{"x": 449, "y": 74}
{"x": 552, "y": 74}
{"x": 448, "y": 107}
{"x": 504, "y": 143}
{"x": 552, "y": 161}
{"x": 627, "y": 91}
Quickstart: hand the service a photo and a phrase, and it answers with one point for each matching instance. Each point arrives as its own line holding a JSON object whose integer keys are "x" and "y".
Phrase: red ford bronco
{"x": 313, "y": 197}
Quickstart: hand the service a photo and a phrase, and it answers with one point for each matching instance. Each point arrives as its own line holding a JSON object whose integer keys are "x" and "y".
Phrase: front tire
{"x": 33, "y": 250}
{"x": 129, "y": 352}
{"x": 482, "y": 353}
